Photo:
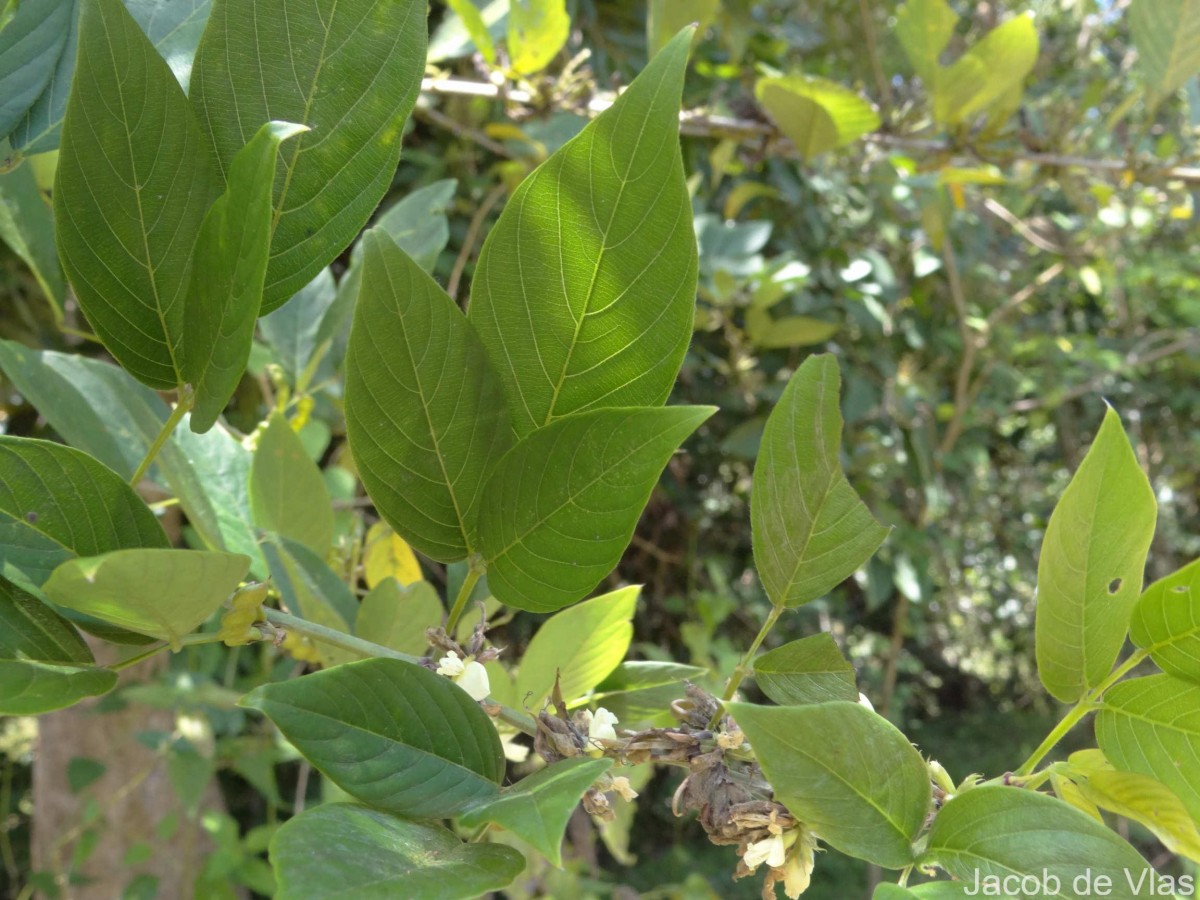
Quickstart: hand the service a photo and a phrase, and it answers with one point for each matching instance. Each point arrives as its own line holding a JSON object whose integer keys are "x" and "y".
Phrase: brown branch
{"x": 1005, "y": 215}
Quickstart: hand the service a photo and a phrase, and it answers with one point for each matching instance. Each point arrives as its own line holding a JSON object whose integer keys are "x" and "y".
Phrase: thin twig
{"x": 962, "y": 380}
{"x": 472, "y": 238}
{"x": 1018, "y": 299}
{"x": 1007, "y": 216}
{"x": 881, "y": 81}
{"x": 437, "y": 117}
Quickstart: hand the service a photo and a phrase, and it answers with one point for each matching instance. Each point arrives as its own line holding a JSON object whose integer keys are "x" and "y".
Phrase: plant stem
{"x": 1086, "y": 704}
{"x": 188, "y": 640}
{"x": 743, "y": 665}
{"x": 341, "y": 640}
{"x": 460, "y": 602}
{"x": 177, "y": 414}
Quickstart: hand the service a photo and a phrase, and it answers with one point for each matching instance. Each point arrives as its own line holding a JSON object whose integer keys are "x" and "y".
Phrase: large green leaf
{"x": 391, "y": 734}
{"x": 30, "y": 630}
{"x": 845, "y": 771}
{"x": 28, "y": 228}
{"x": 56, "y": 503}
{"x": 225, "y": 294}
{"x": 287, "y": 493}
{"x": 559, "y": 509}
{"x": 1166, "y": 621}
{"x": 160, "y": 593}
{"x": 997, "y": 832}
{"x": 425, "y": 416}
{"x": 396, "y": 616}
{"x": 816, "y": 115}
{"x": 810, "y": 670}
{"x": 1090, "y": 570}
{"x": 536, "y": 808}
{"x": 584, "y": 294}
{"x": 134, "y": 181}
{"x": 580, "y": 646}
{"x": 340, "y": 850}
{"x": 989, "y": 72}
{"x": 299, "y": 331}
{"x": 810, "y": 529}
{"x": 1149, "y": 802}
{"x": 1167, "y": 36}
{"x": 32, "y": 688}
{"x": 1152, "y": 726}
{"x": 30, "y": 45}
{"x": 924, "y": 29}
{"x": 349, "y": 71}
{"x": 537, "y": 30}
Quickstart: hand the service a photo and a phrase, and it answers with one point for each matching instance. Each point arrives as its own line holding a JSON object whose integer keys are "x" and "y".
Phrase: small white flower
{"x": 450, "y": 665}
{"x": 863, "y": 700}
{"x": 771, "y": 851}
{"x": 513, "y": 751}
{"x": 798, "y": 872}
{"x": 601, "y": 726}
{"x": 470, "y": 675}
{"x": 621, "y": 785}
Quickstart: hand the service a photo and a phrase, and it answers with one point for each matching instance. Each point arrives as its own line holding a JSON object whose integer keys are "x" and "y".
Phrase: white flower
{"x": 863, "y": 700}
{"x": 771, "y": 851}
{"x": 513, "y": 751}
{"x": 450, "y": 666}
{"x": 601, "y": 726}
{"x": 470, "y": 675}
{"x": 621, "y": 785}
{"x": 798, "y": 871}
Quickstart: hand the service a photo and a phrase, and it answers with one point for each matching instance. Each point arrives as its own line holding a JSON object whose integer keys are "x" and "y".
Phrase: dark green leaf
{"x": 810, "y": 670}
{"x": 559, "y": 509}
{"x": 584, "y": 294}
{"x": 641, "y": 674}
{"x": 411, "y": 742}
{"x": 846, "y": 772}
{"x": 225, "y": 293}
{"x": 1166, "y": 621}
{"x": 1000, "y": 831}
{"x": 287, "y": 493}
{"x": 425, "y": 416}
{"x": 30, "y": 630}
{"x": 28, "y": 228}
{"x": 30, "y": 45}
{"x": 350, "y": 72}
{"x": 134, "y": 181}
{"x": 536, "y": 808}
{"x": 1090, "y": 570}
{"x": 32, "y": 688}
{"x": 340, "y": 850}
{"x": 810, "y": 529}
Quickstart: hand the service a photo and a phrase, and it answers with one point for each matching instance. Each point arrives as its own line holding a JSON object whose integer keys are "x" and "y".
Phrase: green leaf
{"x": 56, "y": 503}
{"x": 582, "y": 645}
{"x": 664, "y": 19}
{"x": 302, "y": 329}
{"x": 28, "y": 228}
{"x": 888, "y": 891}
{"x": 32, "y": 688}
{"x": 559, "y": 509}
{"x": 396, "y": 617}
{"x": 1166, "y": 621}
{"x": 287, "y": 493}
{"x": 163, "y": 594}
{"x": 410, "y": 742}
{"x": 789, "y": 331}
{"x": 350, "y": 72}
{"x": 340, "y": 850}
{"x": 816, "y": 115}
{"x": 30, "y": 45}
{"x": 1090, "y": 570}
{"x": 425, "y": 416}
{"x": 1152, "y": 726}
{"x": 29, "y": 630}
{"x": 638, "y": 675}
{"x": 225, "y": 293}
{"x": 313, "y": 591}
{"x": 810, "y": 670}
{"x": 1167, "y": 36}
{"x": 584, "y": 294}
{"x": 1149, "y": 802}
{"x": 536, "y": 808}
{"x": 537, "y": 30}
{"x": 846, "y": 772}
{"x": 989, "y": 72}
{"x": 476, "y": 28}
{"x": 997, "y": 831}
{"x": 810, "y": 529}
{"x": 924, "y": 29}
{"x": 134, "y": 181}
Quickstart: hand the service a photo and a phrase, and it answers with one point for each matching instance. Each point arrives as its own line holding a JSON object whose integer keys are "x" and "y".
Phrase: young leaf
{"x": 924, "y": 29}
{"x": 287, "y": 493}
{"x": 536, "y": 808}
{"x": 1152, "y": 725}
{"x": 997, "y": 831}
{"x": 476, "y": 28}
{"x": 560, "y": 507}
{"x": 810, "y": 529}
{"x": 350, "y": 72}
{"x": 30, "y": 45}
{"x": 340, "y": 850}
{"x": 396, "y": 616}
{"x": 31, "y": 630}
{"x": 989, "y": 72}
{"x": 410, "y": 742}
{"x": 580, "y": 646}
{"x": 810, "y": 670}
{"x": 1148, "y": 802}
{"x": 27, "y": 227}
{"x": 537, "y": 30}
{"x": 32, "y": 688}
{"x": 134, "y": 181}
{"x": 816, "y": 115}
{"x": 226, "y": 287}
{"x": 584, "y": 294}
{"x": 1166, "y": 621}
{"x": 160, "y": 593}
{"x": 56, "y": 503}
{"x": 425, "y": 416}
{"x": 846, "y": 772}
{"x": 1167, "y": 36}
{"x": 313, "y": 591}
{"x": 1090, "y": 570}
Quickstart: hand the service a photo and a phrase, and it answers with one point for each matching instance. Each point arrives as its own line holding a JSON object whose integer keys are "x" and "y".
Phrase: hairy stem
{"x": 177, "y": 414}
